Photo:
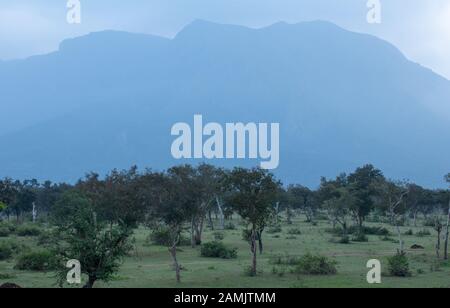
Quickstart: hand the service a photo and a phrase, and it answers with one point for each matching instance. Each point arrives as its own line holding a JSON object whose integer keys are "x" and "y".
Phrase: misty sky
{"x": 421, "y": 29}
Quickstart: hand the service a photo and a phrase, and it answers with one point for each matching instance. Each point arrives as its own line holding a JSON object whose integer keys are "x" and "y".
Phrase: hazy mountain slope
{"x": 109, "y": 99}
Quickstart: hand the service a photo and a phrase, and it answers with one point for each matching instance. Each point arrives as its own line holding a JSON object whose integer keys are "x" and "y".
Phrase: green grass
{"x": 150, "y": 266}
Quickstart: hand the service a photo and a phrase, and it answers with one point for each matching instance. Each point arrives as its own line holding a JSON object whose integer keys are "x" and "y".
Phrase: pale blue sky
{"x": 421, "y": 29}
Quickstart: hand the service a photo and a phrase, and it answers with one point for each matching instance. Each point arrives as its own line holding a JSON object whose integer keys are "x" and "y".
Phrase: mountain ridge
{"x": 108, "y": 100}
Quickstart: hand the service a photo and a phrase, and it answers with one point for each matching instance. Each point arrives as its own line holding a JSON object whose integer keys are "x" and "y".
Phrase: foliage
{"x": 219, "y": 236}
{"x": 316, "y": 265}
{"x": 98, "y": 246}
{"x": 294, "y": 231}
{"x": 218, "y": 250}
{"x": 398, "y": 265}
{"x": 161, "y": 235}
{"x": 28, "y": 230}
{"x": 42, "y": 261}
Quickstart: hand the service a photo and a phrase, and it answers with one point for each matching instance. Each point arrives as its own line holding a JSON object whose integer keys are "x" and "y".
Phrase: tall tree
{"x": 253, "y": 193}
{"x": 363, "y": 186}
{"x": 83, "y": 236}
{"x": 447, "y": 178}
{"x": 393, "y": 199}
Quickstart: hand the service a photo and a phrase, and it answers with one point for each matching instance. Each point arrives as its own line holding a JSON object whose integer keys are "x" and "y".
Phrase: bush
{"x": 285, "y": 259}
{"x": 398, "y": 265}
{"x": 345, "y": 239}
{"x": 10, "y": 248}
{"x": 315, "y": 265}
{"x": 162, "y": 237}
{"x": 28, "y": 230}
{"x": 294, "y": 231}
{"x": 429, "y": 222}
{"x": 6, "y": 251}
{"x": 218, "y": 250}
{"x": 410, "y": 232}
{"x": 229, "y": 226}
{"x": 36, "y": 261}
{"x": 46, "y": 238}
{"x": 4, "y": 231}
{"x": 218, "y": 236}
{"x": 381, "y": 231}
{"x": 360, "y": 237}
{"x": 422, "y": 233}
{"x": 274, "y": 229}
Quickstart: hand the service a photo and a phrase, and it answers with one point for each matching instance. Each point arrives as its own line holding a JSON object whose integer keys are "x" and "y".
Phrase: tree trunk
{"x": 438, "y": 244}
{"x": 447, "y": 233}
{"x": 254, "y": 251}
{"x": 260, "y": 243}
{"x": 400, "y": 240}
{"x": 90, "y": 283}
{"x": 210, "y": 220}
{"x": 221, "y": 216}
{"x": 415, "y": 219}
{"x": 289, "y": 215}
{"x": 193, "y": 232}
{"x": 173, "y": 253}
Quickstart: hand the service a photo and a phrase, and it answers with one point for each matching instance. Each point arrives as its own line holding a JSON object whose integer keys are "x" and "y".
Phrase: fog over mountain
{"x": 109, "y": 99}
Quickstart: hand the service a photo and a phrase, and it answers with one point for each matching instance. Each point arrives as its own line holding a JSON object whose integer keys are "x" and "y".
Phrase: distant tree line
{"x": 94, "y": 219}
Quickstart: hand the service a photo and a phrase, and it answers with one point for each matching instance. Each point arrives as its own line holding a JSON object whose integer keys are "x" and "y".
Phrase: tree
{"x": 169, "y": 200}
{"x": 447, "y": 178}
{"x": 363, "y": 187}
{"x": 8, "y": 194}
{"x": 253, "y": 193}
{"x": 81, "y": 235}
{"x": 302, "y": 197}
{"x": 336, "y": 200}
{"x": 393, "y": 198}
{"x": 3, "y": 208}
{"x": 25, "y": 197}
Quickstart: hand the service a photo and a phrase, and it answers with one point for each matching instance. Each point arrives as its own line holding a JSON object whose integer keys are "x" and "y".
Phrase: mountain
{"x": 109, "y": 99}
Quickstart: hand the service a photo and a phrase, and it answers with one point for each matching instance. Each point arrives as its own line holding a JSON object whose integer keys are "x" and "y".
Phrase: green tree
{"x": 253, "y": 194}
{"x": 393, "y": 201}
{"x": 82, "y": 236}
{"x": 363, "y": 185}
{"x": 447, "y": 232}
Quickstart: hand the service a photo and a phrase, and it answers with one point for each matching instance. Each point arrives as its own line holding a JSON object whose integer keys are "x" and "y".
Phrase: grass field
{"x": 150, "y": 266}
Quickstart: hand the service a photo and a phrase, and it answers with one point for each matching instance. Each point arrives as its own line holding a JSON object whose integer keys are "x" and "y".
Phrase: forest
{"x": 246, "y": 220}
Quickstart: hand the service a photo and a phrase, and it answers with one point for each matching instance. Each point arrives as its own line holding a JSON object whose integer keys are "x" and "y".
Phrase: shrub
{"x": 410, "y": 232}
{"x": 381, "y": 231}
{"x": 6, "y": 251}
{"x": 45, "y": 238}
{"x": 229, "y": 226}
{"x": 285, "y": 259}
{"x": 36, "y": 261}
{"x": 274, "y": 229}
{"x": 360, "y": 237}
{"x": 28, "y": 230}
{"x": 218, "y": 236}
{"x": 218, "y": 250}
{"x": 315, "y": 265}
{"x": 422, "y": 233}
{"x": 398, "y": 265}
{"x": 4, "y": 231}
{"x": 294, "y": 231}
{"x": 429, "y": 222}
{"x": 345, "y": 239}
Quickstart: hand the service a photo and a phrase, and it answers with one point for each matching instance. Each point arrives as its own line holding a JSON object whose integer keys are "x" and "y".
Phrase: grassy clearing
{"x": 150, "y": 266}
